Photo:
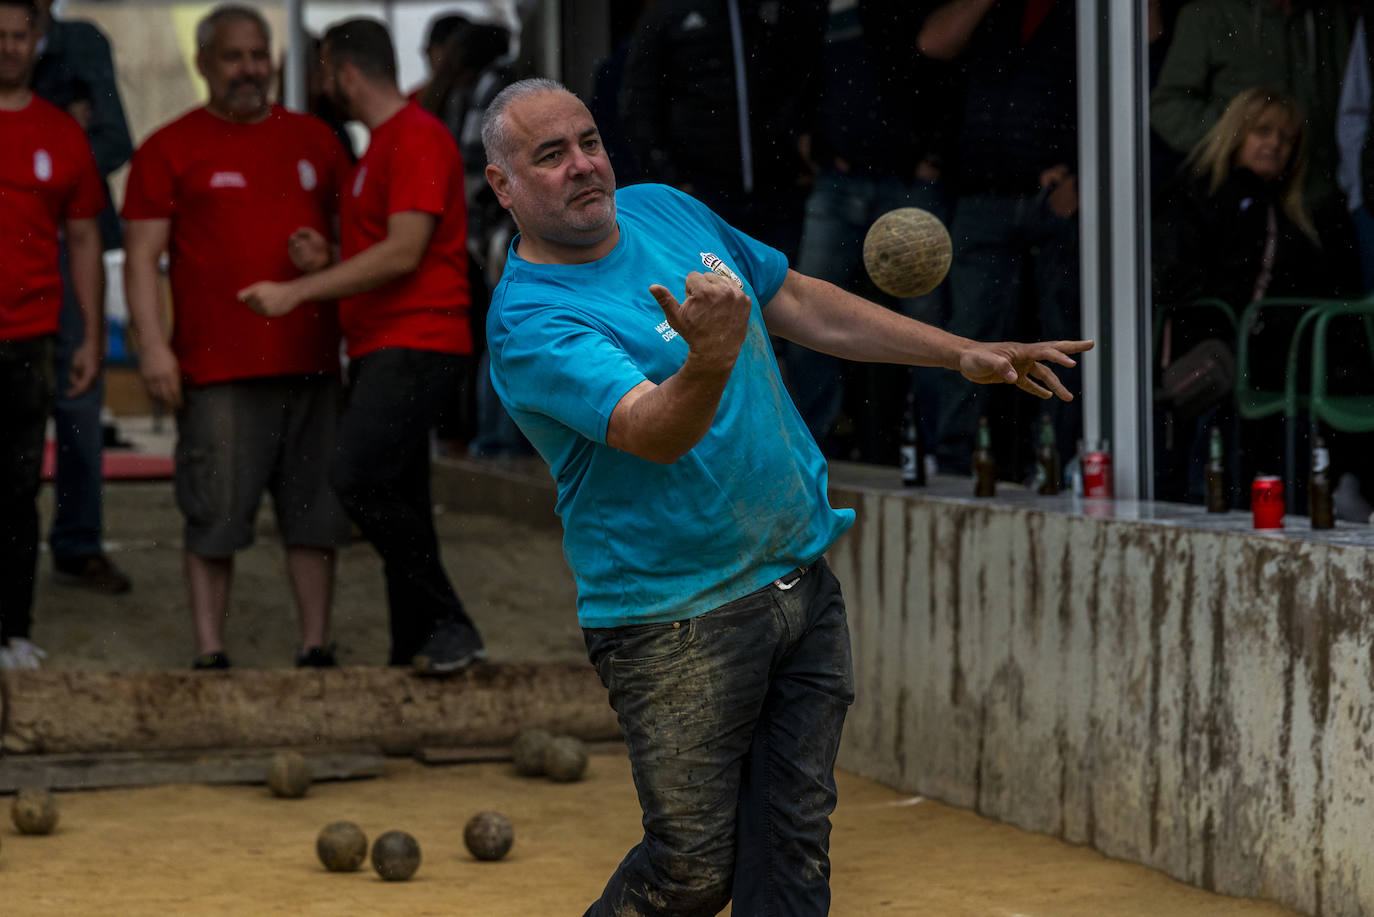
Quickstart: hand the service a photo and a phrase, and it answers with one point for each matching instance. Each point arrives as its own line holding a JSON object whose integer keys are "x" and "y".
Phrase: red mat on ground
{"x": 119, "y": 465}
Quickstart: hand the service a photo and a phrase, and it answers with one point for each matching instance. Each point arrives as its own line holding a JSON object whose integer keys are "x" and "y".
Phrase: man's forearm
{"x": 661, "y": 423}
{"x": 143, "y": 298}
{"x": 947, "y": 31}
{"x": 368, "y": 269}
{"x": 823, "y": 317}
{"x": 85, "y": 254}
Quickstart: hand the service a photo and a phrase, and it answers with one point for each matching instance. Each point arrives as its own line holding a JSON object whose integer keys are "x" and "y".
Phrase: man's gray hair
{"x": 229, "y": 12}
{"x": 495, "y": 137}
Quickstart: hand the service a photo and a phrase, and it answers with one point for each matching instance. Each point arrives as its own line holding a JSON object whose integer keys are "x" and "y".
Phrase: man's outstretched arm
{"x": 823, "y": 317}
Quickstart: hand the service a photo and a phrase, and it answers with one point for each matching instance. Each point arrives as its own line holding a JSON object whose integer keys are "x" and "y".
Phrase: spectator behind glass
{"x": 884, "y": 120}
{"x": 1235, "y": 225}
{"x": 1221, "y": 47}
{"x": 1017, "y": 213}
{"x": 713, "y": 103}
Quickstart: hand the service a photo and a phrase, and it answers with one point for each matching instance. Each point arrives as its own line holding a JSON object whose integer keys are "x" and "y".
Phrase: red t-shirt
{"x": 411, "y": 163}
{"x": 47, "y": 176}
{"x": 234, "y": 194}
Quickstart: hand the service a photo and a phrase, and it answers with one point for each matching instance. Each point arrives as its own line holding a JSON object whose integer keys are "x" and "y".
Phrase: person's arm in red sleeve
{"x": 398, "y": 254}
{"x": 86, "y": 256}
{"x": 415, "y": 201}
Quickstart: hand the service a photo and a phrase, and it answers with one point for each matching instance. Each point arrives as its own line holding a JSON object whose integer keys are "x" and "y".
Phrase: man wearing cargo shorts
{"x": 221, "y": 190}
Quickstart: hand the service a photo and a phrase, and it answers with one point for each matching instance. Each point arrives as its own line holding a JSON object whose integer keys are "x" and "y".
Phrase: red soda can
{"x": 1266, "y": 501}
{"x": 1097, "y": 474}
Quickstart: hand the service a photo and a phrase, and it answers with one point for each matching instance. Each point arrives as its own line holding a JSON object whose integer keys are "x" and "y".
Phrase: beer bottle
{"x": 1319, "y": 508}
{"x": 1217, "y": 499}
{"x": 1047, "y": 472}
{"x": 912, "y": 451}
{"x": 984, "y": 465}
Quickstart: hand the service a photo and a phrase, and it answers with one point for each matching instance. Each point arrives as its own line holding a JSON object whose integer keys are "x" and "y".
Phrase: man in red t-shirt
{"x": 221, "y": 190}
{"x": 403, "y": 290}
{"x": 49, "y": 185}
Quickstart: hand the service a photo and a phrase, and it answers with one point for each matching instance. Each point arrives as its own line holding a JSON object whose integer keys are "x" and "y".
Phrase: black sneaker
{"x": 317, "y": 657}
{"x": 91, "y": 571}
{"x": 207, "y": 661}
{"x": 452, "y": 647}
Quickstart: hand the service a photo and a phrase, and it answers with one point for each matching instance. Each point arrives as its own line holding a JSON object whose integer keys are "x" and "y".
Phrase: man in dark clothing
{"x": 879, "y": 141}
{"x": 713, "y": 103}
{"x": 1018, "y": 198}
{"x": 75, "y": 72}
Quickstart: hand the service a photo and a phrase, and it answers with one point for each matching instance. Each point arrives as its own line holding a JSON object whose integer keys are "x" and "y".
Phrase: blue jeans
{"x": 998, "y": 240}
{"x": 838, "y": 214}
{"x": 733, "y": 723}
{"x": 79, "y": 481}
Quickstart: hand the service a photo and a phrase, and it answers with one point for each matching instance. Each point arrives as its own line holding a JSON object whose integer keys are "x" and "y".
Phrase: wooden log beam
{"x": 53, "y": 711}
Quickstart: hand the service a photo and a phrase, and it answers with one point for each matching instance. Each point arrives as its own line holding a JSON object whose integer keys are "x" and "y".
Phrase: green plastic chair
{"x": 1253, "y": 403}
{"x": 1347, "y": 413}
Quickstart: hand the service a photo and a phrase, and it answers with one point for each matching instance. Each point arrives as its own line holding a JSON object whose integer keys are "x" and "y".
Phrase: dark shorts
{"x": 238, "y": 439}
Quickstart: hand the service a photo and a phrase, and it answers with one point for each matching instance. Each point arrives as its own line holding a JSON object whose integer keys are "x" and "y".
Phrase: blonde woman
{"x": 1233, "y": 225}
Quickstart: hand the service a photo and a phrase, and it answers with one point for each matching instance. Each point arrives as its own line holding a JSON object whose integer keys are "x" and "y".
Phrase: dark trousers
{"x": 733, "y": 723}
{"x": 26, "y": 381}
{"x": 381, "y": 474}
{"x": 79, "y": 481}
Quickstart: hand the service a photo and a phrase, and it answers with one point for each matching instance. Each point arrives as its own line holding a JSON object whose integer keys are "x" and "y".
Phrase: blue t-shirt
{"x": 645, "y": 541}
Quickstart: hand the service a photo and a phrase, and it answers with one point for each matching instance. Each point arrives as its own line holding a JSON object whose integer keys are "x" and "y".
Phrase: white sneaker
{"x": 21, "y": 654}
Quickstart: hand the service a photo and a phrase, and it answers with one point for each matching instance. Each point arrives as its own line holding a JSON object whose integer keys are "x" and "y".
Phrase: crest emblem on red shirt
{"x": 42, "y": 165}
{"x": 358, "y": 181}
{"x": 307, "y": 174}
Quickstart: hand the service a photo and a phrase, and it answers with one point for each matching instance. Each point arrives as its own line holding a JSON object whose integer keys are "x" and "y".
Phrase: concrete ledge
{"x": 518, "y": 489}
{"x": 56, "y": 711}
{"x": 1198, "y": 701}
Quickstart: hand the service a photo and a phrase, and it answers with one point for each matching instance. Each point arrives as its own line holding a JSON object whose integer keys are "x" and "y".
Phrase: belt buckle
{"x": 796, "y": 575}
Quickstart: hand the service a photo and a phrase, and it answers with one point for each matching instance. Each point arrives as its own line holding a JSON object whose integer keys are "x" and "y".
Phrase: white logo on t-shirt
{"x": 715, "y": 265}
{"x": 42, "y": 165}
{"x": 666, "y": 330}
{"x": 228, "y": 180}
{"x": 358, "y": 181}
{"x": 307, "y": 174}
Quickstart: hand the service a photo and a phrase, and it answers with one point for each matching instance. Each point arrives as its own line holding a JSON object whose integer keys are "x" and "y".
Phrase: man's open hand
{"x": 713, "y": 319}
{"x": 1022, "y": 365}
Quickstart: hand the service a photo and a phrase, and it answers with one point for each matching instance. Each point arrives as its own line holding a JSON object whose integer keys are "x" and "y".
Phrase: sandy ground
{"x": 236, "y": 850}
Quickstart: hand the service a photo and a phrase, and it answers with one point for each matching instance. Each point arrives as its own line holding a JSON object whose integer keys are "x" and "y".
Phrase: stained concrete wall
{"x": 1196, "y": 700}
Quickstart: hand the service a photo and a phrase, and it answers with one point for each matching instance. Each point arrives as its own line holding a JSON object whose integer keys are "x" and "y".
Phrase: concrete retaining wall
{"x": 1198, "y": 701}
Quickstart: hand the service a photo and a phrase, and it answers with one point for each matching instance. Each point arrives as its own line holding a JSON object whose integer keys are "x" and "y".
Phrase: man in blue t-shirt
{"x": 693, "y": 499}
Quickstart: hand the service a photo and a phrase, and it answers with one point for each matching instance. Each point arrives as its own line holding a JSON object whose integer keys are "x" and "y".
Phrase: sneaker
{"x": 206, "y": 661}
{"x": 19, "y": 653}
{"x": 316, "y": 657}
{"x": 91, "y": 571}
{"x": 452, "y": 647}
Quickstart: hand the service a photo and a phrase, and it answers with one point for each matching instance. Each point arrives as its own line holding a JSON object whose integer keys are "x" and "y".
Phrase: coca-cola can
{"x": 1097, "y": 474}
{"x": 1266, "y": 501}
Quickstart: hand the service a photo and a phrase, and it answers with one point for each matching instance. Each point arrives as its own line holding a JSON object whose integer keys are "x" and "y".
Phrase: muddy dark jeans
{"x": 26, "y": 390}
{"x": 733, "y": 722}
